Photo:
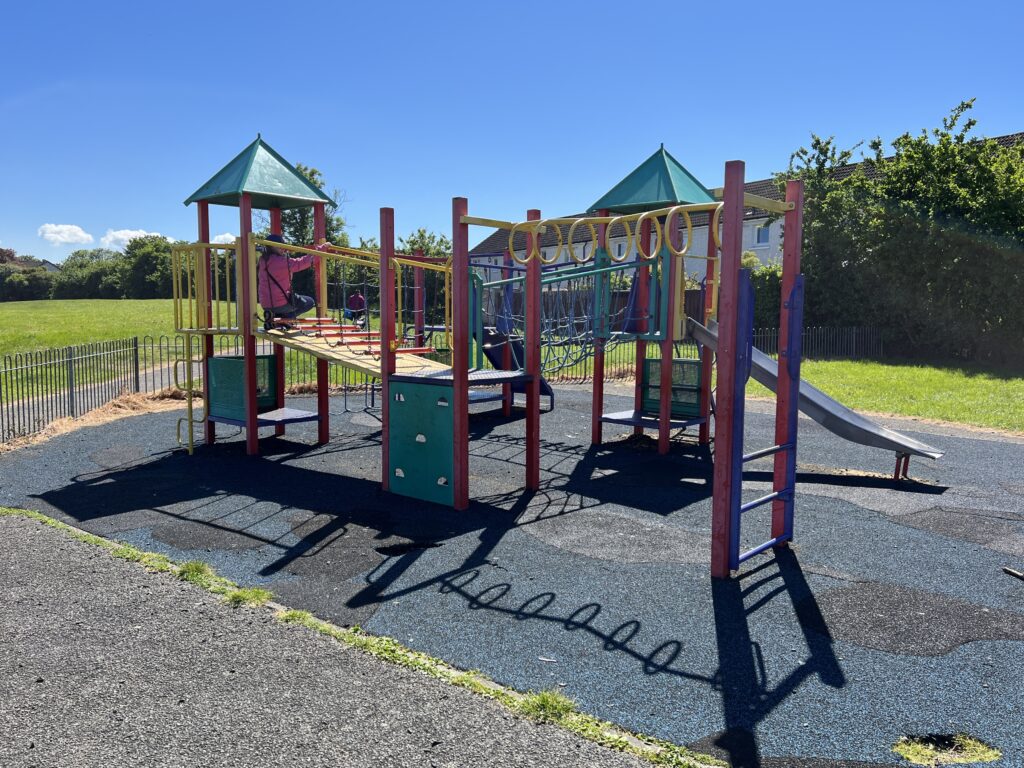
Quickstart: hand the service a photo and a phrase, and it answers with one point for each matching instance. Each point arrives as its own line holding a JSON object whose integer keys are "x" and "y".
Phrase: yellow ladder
{"x": 191, "y": 388}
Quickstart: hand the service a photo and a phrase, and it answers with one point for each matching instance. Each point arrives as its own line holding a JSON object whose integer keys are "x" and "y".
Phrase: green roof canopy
{"x": 659, "y": 181}
{"x": 270, "y": 179}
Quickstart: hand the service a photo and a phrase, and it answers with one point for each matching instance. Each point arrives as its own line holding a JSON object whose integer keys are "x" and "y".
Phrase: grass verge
{"x": 551, "y": 707}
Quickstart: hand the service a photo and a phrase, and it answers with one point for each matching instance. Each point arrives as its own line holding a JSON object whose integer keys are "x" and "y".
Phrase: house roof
{"x": 658, "y": 181}
{"x": 497, "y": 241}
{"x": 270, "y": 180}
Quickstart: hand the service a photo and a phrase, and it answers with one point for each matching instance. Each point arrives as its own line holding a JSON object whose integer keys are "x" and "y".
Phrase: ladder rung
{"x": 761, "y": 548}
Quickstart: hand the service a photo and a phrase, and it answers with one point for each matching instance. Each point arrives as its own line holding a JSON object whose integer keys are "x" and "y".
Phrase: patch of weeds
{"x": 152, "y": 561}
{"x": 252, "y": 596}
{"x": 293, "y": 616}
{"x": 202, "y": 575}
{"x": 943, "y": 749}
{"x": 196, "y": 572}
{"x": 546, "y": 706}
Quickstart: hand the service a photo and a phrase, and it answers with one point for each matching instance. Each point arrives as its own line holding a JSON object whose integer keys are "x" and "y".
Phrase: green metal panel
{"x": 270, "y": 179}
{"x": 659, "y": 181}
{"x": 685, "y": 387}
{"x": 227, "y": 385}
{"x": 602, "y": 293}
{"x": 421, "y": 442}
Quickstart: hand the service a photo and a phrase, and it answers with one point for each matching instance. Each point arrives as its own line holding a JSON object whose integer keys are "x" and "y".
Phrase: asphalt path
{"x": 105, "y": 664}
{"x": 890, "y": 616}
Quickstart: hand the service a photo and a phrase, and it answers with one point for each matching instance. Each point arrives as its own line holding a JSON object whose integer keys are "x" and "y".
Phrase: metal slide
{"x": 831, "y": 414}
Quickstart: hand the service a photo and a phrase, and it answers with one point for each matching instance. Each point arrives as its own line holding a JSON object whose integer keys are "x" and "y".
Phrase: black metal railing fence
{"x": 39, "y": 387}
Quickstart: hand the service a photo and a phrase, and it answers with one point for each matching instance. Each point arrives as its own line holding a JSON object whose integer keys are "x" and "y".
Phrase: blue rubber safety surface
{"x": 890, "y": 616}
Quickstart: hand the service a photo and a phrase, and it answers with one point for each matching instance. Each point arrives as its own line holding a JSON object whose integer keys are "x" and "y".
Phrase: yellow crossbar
{"x": 447, "y": 267}
{"x": 496, "y": 223}
{"x": 336, "y": 252}
{"x": 759, "y": 201}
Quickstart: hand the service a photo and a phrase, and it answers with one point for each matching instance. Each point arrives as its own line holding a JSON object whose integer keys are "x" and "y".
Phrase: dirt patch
{"x": 118, "y": 408}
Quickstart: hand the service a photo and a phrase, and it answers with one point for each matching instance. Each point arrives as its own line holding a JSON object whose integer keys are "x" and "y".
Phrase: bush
{"x": 24, "y": 285}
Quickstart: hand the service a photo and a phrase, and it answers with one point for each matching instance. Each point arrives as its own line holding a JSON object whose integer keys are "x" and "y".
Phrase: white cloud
{"x": 64, "y": 234}
{"x": 224, "y": 237}
{"x": 118, "y": 238}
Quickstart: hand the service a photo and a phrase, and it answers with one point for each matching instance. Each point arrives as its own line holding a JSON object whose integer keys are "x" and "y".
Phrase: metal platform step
{"x": 647, "y": 421}
{"x": 273, "y": 418}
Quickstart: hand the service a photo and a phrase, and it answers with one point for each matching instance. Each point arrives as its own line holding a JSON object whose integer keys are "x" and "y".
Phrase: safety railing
{"x": 360, "y": 258}
{"x": 205, "y": 297}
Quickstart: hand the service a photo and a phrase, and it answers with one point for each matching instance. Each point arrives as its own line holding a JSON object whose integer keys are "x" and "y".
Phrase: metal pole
{"x": 71, "y": 382}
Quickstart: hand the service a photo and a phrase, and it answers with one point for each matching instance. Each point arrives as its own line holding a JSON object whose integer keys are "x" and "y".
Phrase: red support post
{"x": 785, "y": 402}
{"x": 419, "y": 286}
{"x": 643, "y": 295}
{"x": 460, "y": 351}
{"x": 532, "y": 345}
{"x": 597, "y": 396}
{"x": 323, "y": 382}
{"x": 667, "y": 353}
{"x": 722, "y": 482}
{"x": 506, "y": 349}
{"x": 387, "y": 337}
{"x": 707, "y": 360}
{"x": 203, "y": 211}
{"x": 252, "y": 435}
{"x": 275, "y": 229}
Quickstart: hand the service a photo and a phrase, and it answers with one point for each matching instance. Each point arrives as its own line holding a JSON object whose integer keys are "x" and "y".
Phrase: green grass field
{"x": 948, "y": 393}
{"x": 30, "y": 325}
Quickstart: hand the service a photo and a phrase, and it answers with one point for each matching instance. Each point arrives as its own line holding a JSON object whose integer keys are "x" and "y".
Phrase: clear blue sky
{"x": 111, "y": 114}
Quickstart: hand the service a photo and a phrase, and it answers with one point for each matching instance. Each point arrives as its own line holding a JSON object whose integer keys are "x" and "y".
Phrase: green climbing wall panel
{"x": 421, "y": 442}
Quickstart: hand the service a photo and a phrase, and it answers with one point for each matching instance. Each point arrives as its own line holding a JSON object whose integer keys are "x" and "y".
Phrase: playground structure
{"x": 425, "y": 402}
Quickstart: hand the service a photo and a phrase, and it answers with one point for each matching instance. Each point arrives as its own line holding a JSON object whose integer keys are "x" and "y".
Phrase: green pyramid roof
{"x": 659, "y": 181}
{"x": 270, "y": 179}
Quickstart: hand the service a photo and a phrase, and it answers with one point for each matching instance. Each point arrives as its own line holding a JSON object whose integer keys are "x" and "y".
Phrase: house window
{"x": 618, "y": 250}
{"x": 762, "y": 235}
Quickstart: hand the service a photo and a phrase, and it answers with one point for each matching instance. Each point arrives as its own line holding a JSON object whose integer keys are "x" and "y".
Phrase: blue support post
{"x": 743, "y": 359}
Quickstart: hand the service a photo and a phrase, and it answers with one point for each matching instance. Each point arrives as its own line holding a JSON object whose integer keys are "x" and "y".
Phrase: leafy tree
{"x": 948, "y": 250}
{"x": 927, "y": 242}
{"x": 749, "y": 260}
{"x": 24, "y": 284}
{"x": 297, "y": 228}
{"x": 7, "y": 255}
{"x": 146, "y": 268}
{"x": 839, "y": 202}
{"x": 90, "y": 274}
